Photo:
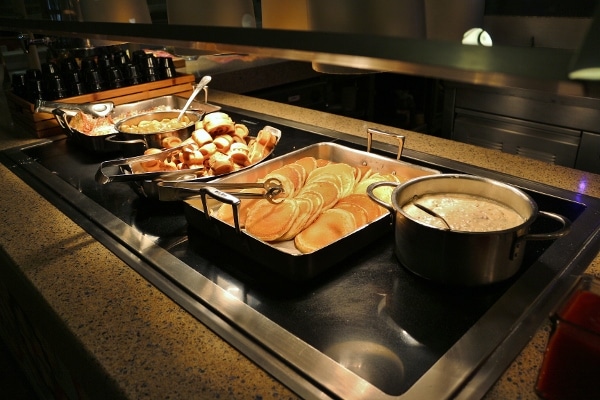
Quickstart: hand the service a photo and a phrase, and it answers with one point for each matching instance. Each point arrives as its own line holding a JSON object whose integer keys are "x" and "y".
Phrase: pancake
{"x": 291, "y": 178}
{"x": 268, "y": 221}
{"x": 301, "y": 172}
{"x": 305, "y": 208}
{"x": 360, "y": 214}
{"x": 344, "y": 172}
{"x": 330, "y": 192}
{"x": 286, "y": 183}
{"x": 331, "y": 225}
{"x": 225, "y": 212}
{"x": 316, "y": 200}
{"x": 309, "y": 163}
{"x": 373, "y": 209}
{"x": 321, "y": 162}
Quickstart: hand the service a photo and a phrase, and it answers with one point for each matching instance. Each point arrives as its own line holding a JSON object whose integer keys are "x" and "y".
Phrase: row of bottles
{"x": 72, "y": 77}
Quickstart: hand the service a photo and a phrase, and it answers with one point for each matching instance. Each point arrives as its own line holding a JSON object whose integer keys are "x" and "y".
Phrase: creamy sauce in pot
{"x": 464, "y": 212}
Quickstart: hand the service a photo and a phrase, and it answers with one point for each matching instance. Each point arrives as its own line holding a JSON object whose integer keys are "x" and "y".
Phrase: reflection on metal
{"x": 477, "y": 37}
{"x": 402, "y": 19}
{"x": 237, "y": 13}
{"x": 537, "y": 68}
{"x": 586, "y": 62}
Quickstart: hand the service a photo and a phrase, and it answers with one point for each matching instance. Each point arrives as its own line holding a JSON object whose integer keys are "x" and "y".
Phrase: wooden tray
{"x": 45, "y": 125}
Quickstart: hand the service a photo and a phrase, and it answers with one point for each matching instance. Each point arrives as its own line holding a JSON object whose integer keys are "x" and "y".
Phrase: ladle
{"x": 203, "y": 82}
{"x": 430, "y": 212}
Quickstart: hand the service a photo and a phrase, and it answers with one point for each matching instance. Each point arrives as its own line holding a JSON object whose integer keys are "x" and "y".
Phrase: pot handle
{"x": 562, "y": 231}
{"x": 114, "y": 139}
{"x": 370, "y": 191}
{"x": 130, "y": 147}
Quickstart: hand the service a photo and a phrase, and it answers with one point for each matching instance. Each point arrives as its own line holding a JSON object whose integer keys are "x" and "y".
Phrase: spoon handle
{"x": 203, "y": 82}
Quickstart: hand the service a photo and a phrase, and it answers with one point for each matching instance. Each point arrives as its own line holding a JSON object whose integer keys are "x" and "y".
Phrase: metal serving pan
{"x": 144, "y": 183}
{"x": 283, "y": 258}
{"x": 99, "y": 143}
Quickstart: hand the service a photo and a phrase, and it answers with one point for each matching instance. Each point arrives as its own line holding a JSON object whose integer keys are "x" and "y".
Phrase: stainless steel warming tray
{"x": 282, "y": 257}
{"x": 290, "y": 328}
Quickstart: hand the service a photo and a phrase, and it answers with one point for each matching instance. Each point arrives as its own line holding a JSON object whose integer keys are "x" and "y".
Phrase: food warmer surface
{"x": 366, "y": 328}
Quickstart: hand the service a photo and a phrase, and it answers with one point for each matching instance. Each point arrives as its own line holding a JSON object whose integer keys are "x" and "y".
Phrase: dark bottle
{"x": 114, "y": 78}
{"x": 18, "y": 84}
{"x": 56, "y": 88}
{"x": 132, "y": 75}
{"x": 167, "y": 67}
{"x": 150, "y": 68}
{"x": 94, "y": 80}
{"x": 75, "y": 83}
{"x": 34, "y": 87}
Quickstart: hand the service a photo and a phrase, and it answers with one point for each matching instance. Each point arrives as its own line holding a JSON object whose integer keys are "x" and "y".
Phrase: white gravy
{"x": 464, "y": 212}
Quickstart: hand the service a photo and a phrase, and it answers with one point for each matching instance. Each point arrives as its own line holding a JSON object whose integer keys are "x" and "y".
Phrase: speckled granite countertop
{"x": 146, "y": 344}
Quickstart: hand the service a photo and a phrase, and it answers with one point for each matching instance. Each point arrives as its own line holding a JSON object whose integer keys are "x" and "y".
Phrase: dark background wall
{"x": 541, "y": 8}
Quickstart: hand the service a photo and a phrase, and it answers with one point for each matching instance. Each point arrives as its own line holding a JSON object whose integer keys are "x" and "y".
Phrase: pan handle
{"x": 562, "y": 231}
{"x": 371, "y": 131}
{"x": 223, "y": 197}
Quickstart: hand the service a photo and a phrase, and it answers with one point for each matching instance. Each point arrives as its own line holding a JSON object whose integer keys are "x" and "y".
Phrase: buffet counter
{"x": 107, "y": 332}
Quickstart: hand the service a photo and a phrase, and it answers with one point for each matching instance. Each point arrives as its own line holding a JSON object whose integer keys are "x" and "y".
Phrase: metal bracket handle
{"x": 371, "y": 131}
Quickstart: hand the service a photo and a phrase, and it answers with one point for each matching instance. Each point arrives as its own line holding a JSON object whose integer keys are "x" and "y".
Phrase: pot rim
{"x": 517, "y": 193}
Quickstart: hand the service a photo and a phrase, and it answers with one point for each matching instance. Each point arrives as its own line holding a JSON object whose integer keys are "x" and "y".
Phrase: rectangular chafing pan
{"x": 283, "y": 258}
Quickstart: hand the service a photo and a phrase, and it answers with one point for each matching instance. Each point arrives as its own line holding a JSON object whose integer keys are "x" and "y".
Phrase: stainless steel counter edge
{"x": 150, "y": 346}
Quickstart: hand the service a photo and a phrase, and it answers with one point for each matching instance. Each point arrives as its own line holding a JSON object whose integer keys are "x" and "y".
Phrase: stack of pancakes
{"x": 323, "y": 202}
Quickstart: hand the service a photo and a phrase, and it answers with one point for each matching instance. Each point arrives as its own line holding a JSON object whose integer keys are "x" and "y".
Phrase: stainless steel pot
{"x": 458, "y": 257}
{"x": 135, "y": 143}
{"x": 93, "y": 143}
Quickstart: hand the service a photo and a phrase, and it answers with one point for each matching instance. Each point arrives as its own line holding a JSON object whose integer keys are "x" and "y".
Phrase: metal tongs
{"x": 173, "y": 191}
{"x": 104, "y": 175}
{"x": 182, "y": 190}
{"x": 101, "y": 109}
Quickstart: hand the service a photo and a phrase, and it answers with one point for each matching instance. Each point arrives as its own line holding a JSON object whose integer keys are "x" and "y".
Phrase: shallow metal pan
{"x": 99, "y": 144}
{"x": 283, "y": 258}
{"x": 145, "y": 183}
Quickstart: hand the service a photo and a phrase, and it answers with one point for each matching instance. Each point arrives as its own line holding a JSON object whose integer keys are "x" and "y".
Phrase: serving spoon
{"x": 203, "y": 82}
{"x": 430, "y": 211}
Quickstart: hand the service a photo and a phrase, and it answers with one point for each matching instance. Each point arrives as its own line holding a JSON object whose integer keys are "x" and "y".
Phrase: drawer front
{"x": 543, "y": 142}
